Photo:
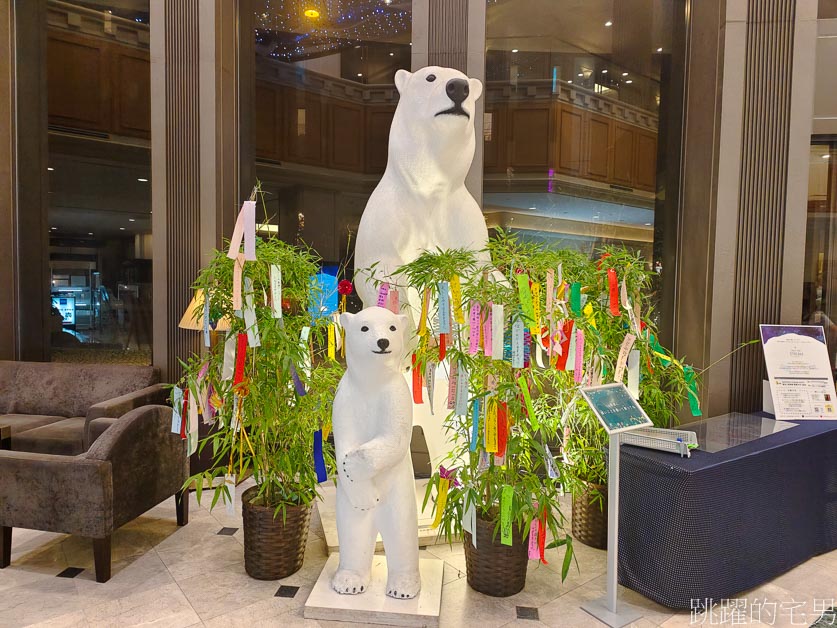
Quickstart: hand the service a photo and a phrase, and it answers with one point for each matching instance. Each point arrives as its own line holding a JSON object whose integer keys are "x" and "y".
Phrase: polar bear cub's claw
{"x": 403, "y": 586}
{"x": 349, "y": 582}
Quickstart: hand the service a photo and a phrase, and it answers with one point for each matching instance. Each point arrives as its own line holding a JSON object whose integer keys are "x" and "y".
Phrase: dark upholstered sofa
{"x": 134, "y": 465}
{"x": 50, "y": 406}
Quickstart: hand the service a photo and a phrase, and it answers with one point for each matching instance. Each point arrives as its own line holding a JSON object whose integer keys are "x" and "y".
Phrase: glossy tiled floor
{"x": 193, "y": 576}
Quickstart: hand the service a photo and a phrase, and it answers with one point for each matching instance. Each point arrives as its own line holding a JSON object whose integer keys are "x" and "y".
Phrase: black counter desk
{"x": 716, "y": 524}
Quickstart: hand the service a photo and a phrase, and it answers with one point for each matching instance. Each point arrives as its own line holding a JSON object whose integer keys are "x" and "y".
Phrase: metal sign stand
{"x": 604, "y": 609}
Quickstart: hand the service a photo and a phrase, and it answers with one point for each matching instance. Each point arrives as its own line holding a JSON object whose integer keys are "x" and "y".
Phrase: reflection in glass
{"x": 98, "y": 91}
{"x": 324, "y": 101}
{"x": 573, "y": 98}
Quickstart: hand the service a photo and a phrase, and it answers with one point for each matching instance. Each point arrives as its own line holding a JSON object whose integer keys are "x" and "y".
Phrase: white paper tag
{"x": 276, "y": 290}
{"x": 633, "y": 374}
{"x": 229, "y": 356}
{"x": 462, "y": 391}
{"x": 253, "y": 337}
{"x": 177, "y": 404}
{"x": 192, "y": 425}
{"x": 498, "y": 323}
{"x": 229, "y": 483}
{"x": 517, "y": 344}
{"x": 469, "y": 523}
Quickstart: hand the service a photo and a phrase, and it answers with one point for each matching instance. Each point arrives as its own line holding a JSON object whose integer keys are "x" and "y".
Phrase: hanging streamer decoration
{"x": 456, "y": 297}
{"x": 688, "y": 372}
{"x": 344, "y": 289}
{"x": 613, "y": 285}
{"x": 506, "y": 521}
{"x": 245, "y": 227}
{"x": 319, "y": 461}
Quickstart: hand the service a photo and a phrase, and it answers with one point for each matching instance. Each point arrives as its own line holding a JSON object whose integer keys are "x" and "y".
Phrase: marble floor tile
{"x": 130, "y": 576}
{"x": 462, "y": 606}
{"x": 37, "y": 601}
{"x": 273, "y": 611}
{"x": 184, "y": 561}
{"x": 75, "y": 619}
{"x": 566, "y": 610}
{"x": 164, "y": 606}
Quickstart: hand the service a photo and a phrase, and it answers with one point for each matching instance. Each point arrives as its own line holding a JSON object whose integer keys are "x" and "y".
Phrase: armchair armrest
{"x": 68, "y": 494}
{"x": 116, "y": 407}
{"x": 149, "y": 463}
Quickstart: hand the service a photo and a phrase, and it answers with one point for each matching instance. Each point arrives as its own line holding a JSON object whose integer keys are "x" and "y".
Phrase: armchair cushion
{"x": 67, "y": 494}
{"x": 156, "y": 394}
{"x": 63, "y": 438}
{"x": 95, "y": 428}
{"x": 22, "y": 422}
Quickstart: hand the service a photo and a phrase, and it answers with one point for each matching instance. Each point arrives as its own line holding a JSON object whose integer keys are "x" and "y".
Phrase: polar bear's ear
{"x": 346, "y": 319}
{"x": 402, "y": 321}
{"x": 401, "y": 78}
{"x": 476, "y": 87}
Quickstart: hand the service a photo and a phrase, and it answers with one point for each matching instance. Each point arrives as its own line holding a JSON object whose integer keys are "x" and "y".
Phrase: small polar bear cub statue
{"x": 372, "y": 423}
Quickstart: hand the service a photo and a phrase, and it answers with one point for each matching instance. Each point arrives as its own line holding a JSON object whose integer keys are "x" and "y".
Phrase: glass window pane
{"x": 574, "y": 92}
{"x": 98, "y": 92}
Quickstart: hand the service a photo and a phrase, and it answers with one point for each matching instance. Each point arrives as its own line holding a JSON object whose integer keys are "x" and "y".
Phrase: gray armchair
{"x": 134, "y": 465}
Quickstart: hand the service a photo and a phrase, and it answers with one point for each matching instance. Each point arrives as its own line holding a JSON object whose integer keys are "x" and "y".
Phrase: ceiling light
{"x": 141, "y": 180}
{"x": 89, "y": 233}
{"x": 624, "y": 74}
{"x": 53, "y": 228}
{"x": 392, "y": 54}
{"x": 359, "y": 74}
{"x": 387, "y": 1}
{"x": 312, "y": 13}
{"x": 604, "y": 71}
{"x": 647, "y": 224}
{"x": 628, "y": 82}
{"x": 580, "y": 74}
{"x": 826, "y": 156}
{"x": 514, "y": 49}
{"x": 570, "y": 81}
{"x": 660, "y": 49}
{"x": 609, "y": 23}
{"x": 132, "y": 219}
{"x": 122, "y": 228}
{"x": 533, "y": 208}
{"x": 50, "y": 168}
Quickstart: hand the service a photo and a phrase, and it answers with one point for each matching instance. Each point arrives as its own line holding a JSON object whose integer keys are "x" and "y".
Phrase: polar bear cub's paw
{"x": 349, "y": 582}
{"x": 357, "y": 465}
{"x": 403, "y": 586}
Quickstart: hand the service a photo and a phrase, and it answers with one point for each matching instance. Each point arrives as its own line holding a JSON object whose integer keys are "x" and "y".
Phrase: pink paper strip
{"x": 245, "y": 226}
{"x": 550, "y": 288}
{"x": 238, "y": 269}
{"x": 487, "y": 333}
{"x": 579, "y": 356}
{"x": 474, "y": 322}
{"x": 383, "y": 293}
{"x": 534, "y": 550}
{"x": 393, "y": 303}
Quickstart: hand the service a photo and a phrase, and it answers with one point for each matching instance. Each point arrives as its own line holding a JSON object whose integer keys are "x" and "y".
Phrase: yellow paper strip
{"x": 536, "y": 305}
{"x": 588, "y": 313}
{"x": 441, "y": 500}
{"x": 331, "y": 341}
{"x": 491, "y": 438}
{"x": 456, "y": 296}
{"x": 425, "y": 303}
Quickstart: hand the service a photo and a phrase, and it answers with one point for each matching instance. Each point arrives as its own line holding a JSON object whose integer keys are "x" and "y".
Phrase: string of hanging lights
{"x": 291, "y": 30}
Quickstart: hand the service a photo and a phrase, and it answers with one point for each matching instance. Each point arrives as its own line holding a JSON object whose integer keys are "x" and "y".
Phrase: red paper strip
{"x": 240, "y": 353}
{"x": 502, "y": 428}
{"x": 613, "y": 283}
{"x": 185, "y": 412}
{"x": 442, "y": 347}
{"x": 542, "y": 537}
{"x": 561, "y": 362}
{"x": 416, "y": 382}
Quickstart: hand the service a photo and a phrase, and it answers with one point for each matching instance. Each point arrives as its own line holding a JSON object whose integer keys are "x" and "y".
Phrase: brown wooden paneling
{"x": 131, "y": 91}
{"x": 268, "y": 121}
{"x": 345, "y": 142}
{"x": 645, "y": 172}
{"x": 378, "y": 122}
{"x": 570, "y": 142}
{"x": 599, "y": 152}
{"x": 303, "y": 127}
{"x": 624, "y": 154}
{"x": 78, "y": 81}
{"x": 528, "y": 137}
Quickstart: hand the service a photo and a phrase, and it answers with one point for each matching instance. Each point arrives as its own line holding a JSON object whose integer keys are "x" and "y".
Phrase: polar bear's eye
{"x": 392, "y": 327}
{"x": 364, "y": 328}
{"x": 431, "y": 78}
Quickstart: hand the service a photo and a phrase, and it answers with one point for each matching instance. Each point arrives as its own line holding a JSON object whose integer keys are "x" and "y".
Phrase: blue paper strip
{"x": 475, "y": 424}
{"x": 206, "y": 342}
{"x": 319, "y": 461}
{"x": 444, "y": 307}
{"x": 300, "y": 387}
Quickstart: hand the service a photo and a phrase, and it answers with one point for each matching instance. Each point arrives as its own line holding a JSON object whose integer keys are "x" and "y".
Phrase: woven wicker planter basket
{"x": 493, "y": 568}
{"x": 590, "y": 518}
{"x": 273, "y": 548}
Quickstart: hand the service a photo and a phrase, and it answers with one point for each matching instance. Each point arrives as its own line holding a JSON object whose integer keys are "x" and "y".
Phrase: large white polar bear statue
{"x": 372, "y": 423}
{"x": 421, "y": 202}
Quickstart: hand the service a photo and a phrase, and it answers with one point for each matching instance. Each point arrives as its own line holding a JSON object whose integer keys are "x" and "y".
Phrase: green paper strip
{"x": 691, "y": 382}
{"x": 524, "y": 387}
{"x": 525, "y": 294}
{"x": 575, "y": 298}
{"x": 505, "y": 515}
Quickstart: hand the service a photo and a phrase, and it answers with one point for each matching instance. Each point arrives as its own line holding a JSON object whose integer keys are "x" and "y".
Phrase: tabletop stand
{"x": 604, "y": 609}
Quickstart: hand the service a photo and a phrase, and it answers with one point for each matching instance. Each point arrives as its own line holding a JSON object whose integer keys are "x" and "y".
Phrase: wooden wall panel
{"x": 528, "y": 138}
{"x": 303, "y": 122}
{"x": 624, "y": 154}
{"x": 570, "y": 140}
{"x": 345, "y": 142}
{"x": 78, "y": 82}
{"x": 645, "y": 173}
{"x": 598, "y": 156}
{"x": 378, "y": 121}
{"x": 268, "y": 112}
{"x": 131, "y": 92}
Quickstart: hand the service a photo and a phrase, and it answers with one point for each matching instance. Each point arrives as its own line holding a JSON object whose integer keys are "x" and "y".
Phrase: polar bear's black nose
{"x": 383, "y": 343}
{"x": 457, "y": 90}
